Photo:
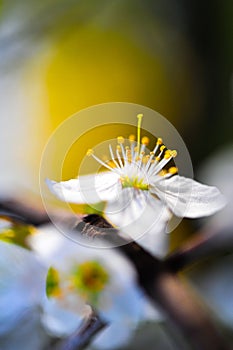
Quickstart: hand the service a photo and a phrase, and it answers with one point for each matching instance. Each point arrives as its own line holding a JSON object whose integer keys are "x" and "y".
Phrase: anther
{"x": 173, "y": 170}
{"x": 120, "y": 139}
{"x": 173, "y": 153}
{"x": 132, "y": 138}
{"x": 163, "y": 172}
{"x": 145, "y": 140}
{"x": 159, "y": 141}
{"x": 162, "y": 148}
{"x": 90, "y": 152}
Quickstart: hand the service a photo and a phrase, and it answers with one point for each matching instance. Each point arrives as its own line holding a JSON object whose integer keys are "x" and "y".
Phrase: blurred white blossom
{"x": 218, "y": 170}
{"x": 215, "y": 281}
{"x": 80, "y": 276}
{"x": 22, "y": 282}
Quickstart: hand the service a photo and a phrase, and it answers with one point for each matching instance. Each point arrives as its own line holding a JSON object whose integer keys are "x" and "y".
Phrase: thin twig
{"x": 83, "y": 336}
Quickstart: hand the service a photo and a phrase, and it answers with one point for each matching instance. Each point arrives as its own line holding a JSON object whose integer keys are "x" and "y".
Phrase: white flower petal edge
{"x": 87, "y": 189}
{"x": 188, "y": 198}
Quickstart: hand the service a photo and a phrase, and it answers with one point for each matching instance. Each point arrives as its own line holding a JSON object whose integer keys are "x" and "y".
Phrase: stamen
{"x": 132, "y": 138}
{"x": 153, "y": 153}
{"x": 120, "y": 139}
{"x": 174, "y": 153}
{"x": 167, "y": 157}
{"x": 162, "y": 148}
{"x": 128, "y": 161}
{"x": 112, "y": 156}
{"x": 162, "y": 172}
{"x": 90, "y": 152}
{"x": 145, "y": 140}
{"x": 173, "y": 170}
{"x": 118, "y": 149}
{"x": 139, "y": 116}
{"x": 170, "y": 154}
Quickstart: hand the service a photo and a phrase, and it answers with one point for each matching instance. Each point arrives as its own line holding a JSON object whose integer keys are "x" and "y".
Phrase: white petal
{"x": 188, "y": 198}
{"x": 22, "y": 280}
{"x": 142, "y": 217}
{"x": 27, "y": 334}
{"x": 59, "y": 321}
{"x": 87, "y": 189}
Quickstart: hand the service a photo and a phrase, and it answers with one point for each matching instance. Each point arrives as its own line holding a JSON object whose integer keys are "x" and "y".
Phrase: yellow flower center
{"x": 90, "y": 277}
{"x": 134, "y": 164}
{"x": 134, "y": 182}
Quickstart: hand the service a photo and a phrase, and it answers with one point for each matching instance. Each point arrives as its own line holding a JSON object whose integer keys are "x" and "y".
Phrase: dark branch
{"x": 83, "y": 336}
{"x": 172, "y": 295}
{"x": 22, "y": 212}
{"x": 202, "y": 246}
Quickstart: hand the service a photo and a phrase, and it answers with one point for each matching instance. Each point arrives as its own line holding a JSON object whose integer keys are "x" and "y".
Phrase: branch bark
{"x": 83, "y": 336}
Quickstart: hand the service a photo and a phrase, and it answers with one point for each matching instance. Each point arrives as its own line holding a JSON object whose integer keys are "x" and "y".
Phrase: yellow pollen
{"x": 159, "y": 141}
{"x": 173, "y": 170}
{"x": 132, "y": 138}
{"x": 111, "y": 164}
{"x": 145, "y": 140}
{"x": 119, "y": 148}
{"x": 163, "y": 172}
{"x": 120, "y": 139}
{"x": 162, "y": 148}
{"x": 158, "y": 159}
{"x": 174, "y": 153}
{"x": 90, "y": 152}
{"x": 169, "y": 153}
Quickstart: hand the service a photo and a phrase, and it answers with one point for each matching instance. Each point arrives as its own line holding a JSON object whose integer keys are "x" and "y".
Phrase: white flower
{"x": 141, "y": 191}
{"x": 23, "y": 298}
{"x": 83, "y": 275}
